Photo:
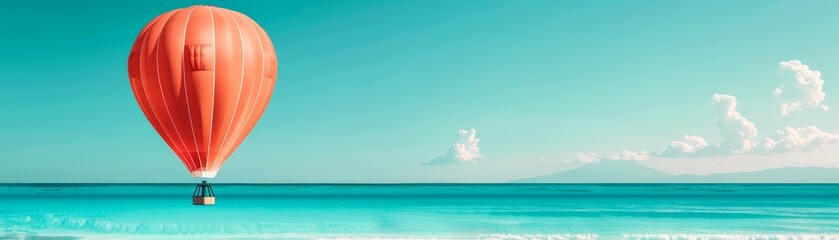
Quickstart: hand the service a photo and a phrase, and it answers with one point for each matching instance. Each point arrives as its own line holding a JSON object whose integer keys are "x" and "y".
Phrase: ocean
{"x": 421, "y": 211}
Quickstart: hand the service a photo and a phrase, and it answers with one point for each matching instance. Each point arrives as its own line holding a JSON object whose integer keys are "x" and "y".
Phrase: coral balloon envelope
{"x": 203, "y": 76}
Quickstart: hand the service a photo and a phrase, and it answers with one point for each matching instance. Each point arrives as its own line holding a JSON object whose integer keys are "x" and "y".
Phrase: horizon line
{"x": 440, "y": 183}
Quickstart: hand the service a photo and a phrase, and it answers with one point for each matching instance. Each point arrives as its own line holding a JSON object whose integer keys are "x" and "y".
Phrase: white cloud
{"x": 792, "y": 139}
{"x": 584, "y": 158}
{"x": 629, "y": 155}
{"x": 622, "y": 155}
{"x": 805, "y": 91}
{"x": 788, "y": 139}
{"x": 691, "y": 145}
{"x": 466, "y": 150}
{"x": 737, "y": 131}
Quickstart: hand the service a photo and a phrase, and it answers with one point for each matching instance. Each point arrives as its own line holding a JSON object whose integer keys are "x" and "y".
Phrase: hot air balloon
{"x": 202, "y": 76}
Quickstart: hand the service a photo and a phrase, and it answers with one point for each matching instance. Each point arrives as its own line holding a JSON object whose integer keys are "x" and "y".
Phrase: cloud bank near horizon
{"x": 739, "y": 133}
{"x": 624, "y": 155}
{"x": 803, "y": 139}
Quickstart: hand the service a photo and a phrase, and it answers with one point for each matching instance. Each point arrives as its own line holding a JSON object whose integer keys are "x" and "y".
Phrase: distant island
{"x": 621, "y": 171}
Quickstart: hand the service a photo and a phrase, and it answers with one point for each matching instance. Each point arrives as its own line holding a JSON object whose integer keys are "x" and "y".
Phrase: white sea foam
{"x": 48, "y": 222}
{"x": 732, "y": 236}
{"x": 87, "y": 227}
{"x": 497, "y": 236}
{"x": 64, "y": 225}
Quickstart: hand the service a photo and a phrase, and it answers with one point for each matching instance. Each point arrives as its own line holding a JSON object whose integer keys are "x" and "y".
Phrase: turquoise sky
{"x": 369, "y": 90}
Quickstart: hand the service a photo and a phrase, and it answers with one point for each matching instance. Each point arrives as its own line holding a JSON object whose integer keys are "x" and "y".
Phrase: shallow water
{"x": 445, "y": 211}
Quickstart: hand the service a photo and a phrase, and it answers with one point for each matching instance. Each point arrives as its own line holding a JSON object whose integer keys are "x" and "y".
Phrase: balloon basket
{"x": 203, "y": 194}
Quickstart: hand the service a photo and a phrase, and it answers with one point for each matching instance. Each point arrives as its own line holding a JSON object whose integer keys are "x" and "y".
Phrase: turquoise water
{"x": 442, "y": 211}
